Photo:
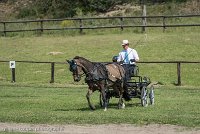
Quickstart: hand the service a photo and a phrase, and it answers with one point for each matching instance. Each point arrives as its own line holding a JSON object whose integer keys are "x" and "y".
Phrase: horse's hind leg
{"x": 89, "y": 93}
{"x": 121, "y": 102}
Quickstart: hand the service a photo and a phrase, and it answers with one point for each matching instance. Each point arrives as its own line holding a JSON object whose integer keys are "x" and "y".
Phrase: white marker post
{"x": 12, "y": 67}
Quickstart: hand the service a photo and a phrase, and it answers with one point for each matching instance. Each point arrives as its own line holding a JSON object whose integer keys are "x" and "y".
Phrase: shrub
{"x": 26, "y": 12}
{"x": 67, "y": 23}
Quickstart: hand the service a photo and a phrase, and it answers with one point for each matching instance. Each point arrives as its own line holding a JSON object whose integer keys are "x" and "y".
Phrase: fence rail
{"x": 81, "y": 26}
{"x": 178, "y": 63}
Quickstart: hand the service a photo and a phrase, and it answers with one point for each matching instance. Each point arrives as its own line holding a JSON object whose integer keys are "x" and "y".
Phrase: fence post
{"x": 41, "y": 26}
{"x": 179, "y": 73}
{"x": 4, "y": 28}
{"x": 81, "y": 25}
{"x": 13, "y": 74}
{"x": 52, "y": 72}
{"x": 164, "y": 27}
{"x": 144, "y": 19}
{"x": 121, "y": 19}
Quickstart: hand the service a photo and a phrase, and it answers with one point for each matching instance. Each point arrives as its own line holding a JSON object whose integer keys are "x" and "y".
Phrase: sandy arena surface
{"x": 97, "y": 129}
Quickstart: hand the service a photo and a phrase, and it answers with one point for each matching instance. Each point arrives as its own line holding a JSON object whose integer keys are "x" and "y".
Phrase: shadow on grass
{"x": 79, "y": 109}
{"x": 63, "y": 110}
{"x": 110, "y": 106}
{"x": 176, "y": 84}
{"x": 133, "y": 105}
{"x": 98, "y": 107}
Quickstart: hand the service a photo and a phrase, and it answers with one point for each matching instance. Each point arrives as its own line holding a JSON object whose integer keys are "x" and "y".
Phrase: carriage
{"x": 111, "y": 80}
{"x": 138, "y": 87}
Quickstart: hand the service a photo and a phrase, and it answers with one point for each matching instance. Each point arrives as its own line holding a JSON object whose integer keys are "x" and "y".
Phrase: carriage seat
{"x": 135, "y": 71}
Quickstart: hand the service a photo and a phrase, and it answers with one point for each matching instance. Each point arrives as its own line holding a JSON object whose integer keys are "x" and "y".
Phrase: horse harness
{"x": 98, "y": 73}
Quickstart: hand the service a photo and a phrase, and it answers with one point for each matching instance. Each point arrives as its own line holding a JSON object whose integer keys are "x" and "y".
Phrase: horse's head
{"x": 76, "y": 68}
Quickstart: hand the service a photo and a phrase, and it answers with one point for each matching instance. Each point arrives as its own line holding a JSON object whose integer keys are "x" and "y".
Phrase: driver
{"x": 128, "y": 58}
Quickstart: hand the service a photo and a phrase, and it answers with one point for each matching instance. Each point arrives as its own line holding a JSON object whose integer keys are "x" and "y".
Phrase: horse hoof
{"x": 92, "y": 108}
{"x": 105, "y": 109}
{"x": 123, "y": 106}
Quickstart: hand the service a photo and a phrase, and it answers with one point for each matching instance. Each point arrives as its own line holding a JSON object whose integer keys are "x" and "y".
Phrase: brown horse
{"x": 101, "y": 77}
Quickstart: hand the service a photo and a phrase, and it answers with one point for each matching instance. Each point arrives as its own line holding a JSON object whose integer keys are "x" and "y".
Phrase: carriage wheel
{"x": 144, "y": 100}
{"x": 151, "y": 95}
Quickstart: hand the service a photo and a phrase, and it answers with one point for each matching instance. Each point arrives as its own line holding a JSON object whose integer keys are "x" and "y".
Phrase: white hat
{"x": 124, "y": 42}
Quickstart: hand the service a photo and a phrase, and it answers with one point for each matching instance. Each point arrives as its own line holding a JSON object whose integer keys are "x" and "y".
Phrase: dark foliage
{"x": 68, "y": 8}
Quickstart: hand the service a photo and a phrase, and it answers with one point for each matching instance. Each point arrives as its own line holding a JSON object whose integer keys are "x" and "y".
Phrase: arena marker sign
{"x": 12, "y": 64}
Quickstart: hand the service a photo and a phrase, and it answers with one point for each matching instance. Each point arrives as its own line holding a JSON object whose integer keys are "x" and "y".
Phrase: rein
{"x": 105, "y": 76}
{"x": 90, "y": 73}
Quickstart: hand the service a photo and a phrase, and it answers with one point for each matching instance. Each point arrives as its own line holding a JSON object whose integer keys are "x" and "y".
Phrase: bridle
{"x": 74, "y": 68}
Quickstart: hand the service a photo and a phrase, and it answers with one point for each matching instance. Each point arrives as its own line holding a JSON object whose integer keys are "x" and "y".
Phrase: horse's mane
{"x": 81, "y": 58}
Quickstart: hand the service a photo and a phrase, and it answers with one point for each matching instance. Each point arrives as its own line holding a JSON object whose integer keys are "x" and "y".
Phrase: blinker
{"x": 73, "y": 66}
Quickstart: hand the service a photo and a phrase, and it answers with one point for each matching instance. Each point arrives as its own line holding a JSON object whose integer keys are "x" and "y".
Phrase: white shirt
{"x": 132, "y": 54}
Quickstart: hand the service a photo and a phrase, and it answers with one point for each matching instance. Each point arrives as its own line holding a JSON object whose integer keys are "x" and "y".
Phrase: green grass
{"x": 152, "y": 46}
{"x": 173, "y": 105}
{"x": 33, "y": 100}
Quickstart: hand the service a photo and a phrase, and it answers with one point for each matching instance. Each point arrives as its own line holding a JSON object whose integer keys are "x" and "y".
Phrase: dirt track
{"x": 97, "y": 129}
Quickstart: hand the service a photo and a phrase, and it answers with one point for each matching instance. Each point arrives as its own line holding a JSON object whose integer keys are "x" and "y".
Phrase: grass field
{"x": 33, "y": 100}
{"x": 179, "y": 106}
{"x": 152, "y": 46}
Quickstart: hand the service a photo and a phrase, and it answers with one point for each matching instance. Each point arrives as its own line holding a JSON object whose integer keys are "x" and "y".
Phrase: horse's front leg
{"x": 89, "y": 93}
{"x": 104, "y": 98}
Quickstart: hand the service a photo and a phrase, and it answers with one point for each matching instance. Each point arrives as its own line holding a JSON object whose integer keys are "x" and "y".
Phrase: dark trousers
{"x": 129, "y": 71}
